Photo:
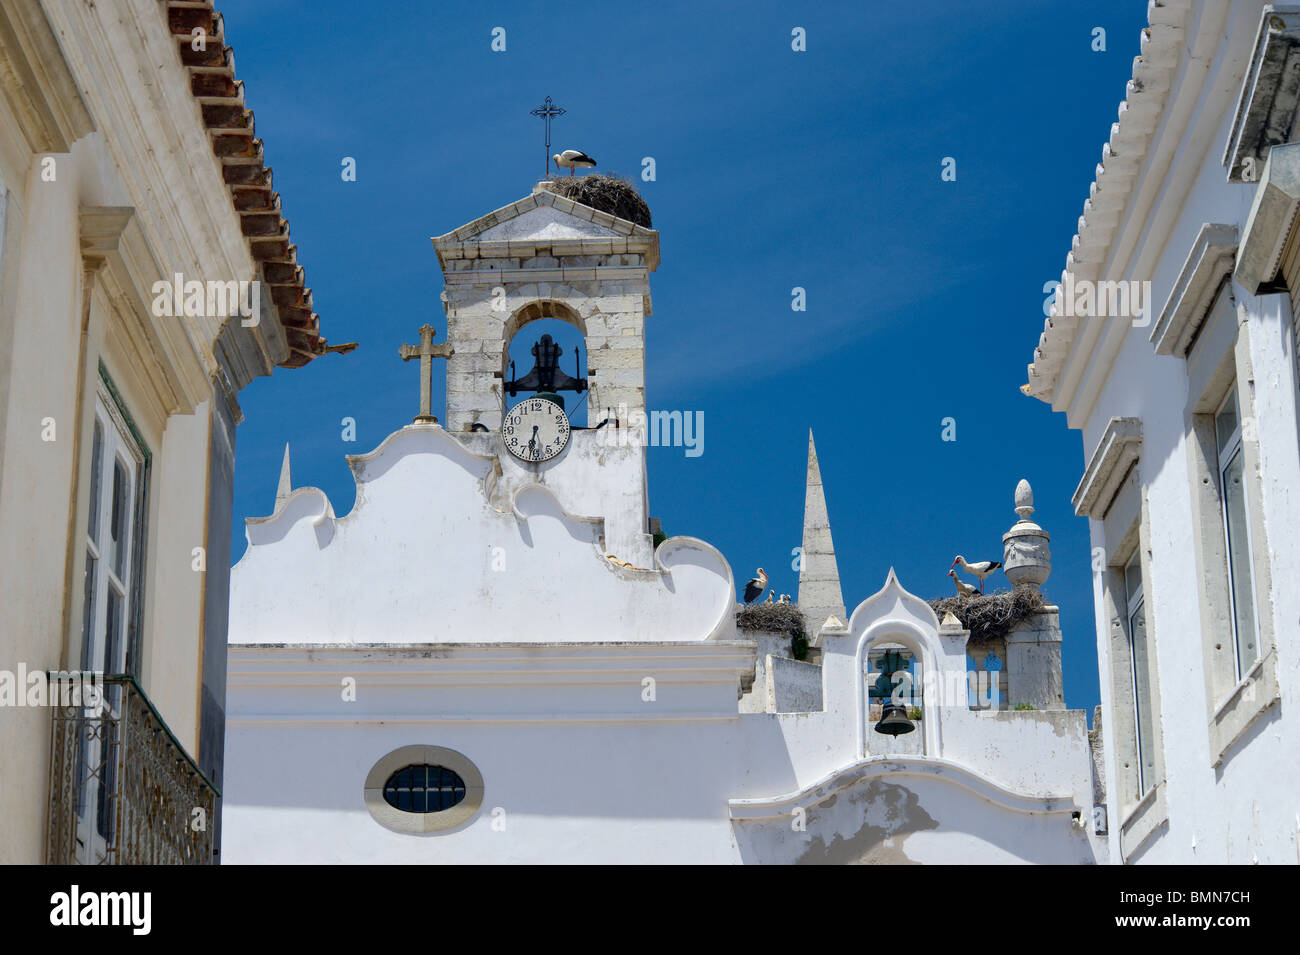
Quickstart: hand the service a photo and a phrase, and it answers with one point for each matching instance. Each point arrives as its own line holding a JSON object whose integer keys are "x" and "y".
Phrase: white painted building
{"x": 487, "y": 660}
{"x": 127, "y": 159}
{"x": 1187, "y": 407}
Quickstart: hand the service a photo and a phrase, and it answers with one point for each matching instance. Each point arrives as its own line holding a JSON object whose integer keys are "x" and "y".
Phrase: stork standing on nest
{"x": 771, "y": 594}
{"x": 572, "y": 159}
{"x": 963, "y": 589}
{"x": 980, "y": 570}
{"x": 754, "y": 589}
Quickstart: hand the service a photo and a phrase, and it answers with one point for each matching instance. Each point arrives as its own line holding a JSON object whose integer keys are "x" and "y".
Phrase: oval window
{"x": 424, "y": 788}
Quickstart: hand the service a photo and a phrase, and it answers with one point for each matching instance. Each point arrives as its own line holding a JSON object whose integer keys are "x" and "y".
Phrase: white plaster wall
{"x": 1247, "y": 809}
{"x": 599, "y": 473}
{"x": 573, "y": 788}
{"x": 579, "y": 766}
{"x": 43, "y": 276}
{"x": 501, "y": 562}
{"x": 767, "y": 645}
{"x": 793, "y": 686}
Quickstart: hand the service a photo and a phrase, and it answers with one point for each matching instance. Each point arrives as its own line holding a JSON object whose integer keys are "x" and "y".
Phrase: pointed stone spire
{"x": 820, "y": 595}
{"x": 285, "y": 487}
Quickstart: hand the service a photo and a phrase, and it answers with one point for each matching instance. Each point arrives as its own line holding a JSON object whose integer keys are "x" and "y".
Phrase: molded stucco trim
{"x": 945, "y": 769}
{"x": 1213, "y": 255}
{"x": 404, "y": 678}
{"x": 1118, "y": 450}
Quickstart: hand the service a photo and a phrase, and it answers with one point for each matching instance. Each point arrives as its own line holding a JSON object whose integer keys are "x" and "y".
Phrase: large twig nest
{"x": 773, "y": 618}
{"x": 776, "y": 618}
{"x": 990, "y": 616}
{"x": 607, "y": 193}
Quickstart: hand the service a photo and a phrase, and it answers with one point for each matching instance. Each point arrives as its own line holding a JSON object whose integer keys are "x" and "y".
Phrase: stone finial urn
{"x": 1026, "y": 550}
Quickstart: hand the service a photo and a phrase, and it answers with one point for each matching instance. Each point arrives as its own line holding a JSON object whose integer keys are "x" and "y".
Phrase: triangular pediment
{"x": 544, "y": 222}
{"x": 546, "y": 216}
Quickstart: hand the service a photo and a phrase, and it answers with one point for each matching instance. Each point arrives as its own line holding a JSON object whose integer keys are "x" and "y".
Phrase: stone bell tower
{"x": 545, "y": 256}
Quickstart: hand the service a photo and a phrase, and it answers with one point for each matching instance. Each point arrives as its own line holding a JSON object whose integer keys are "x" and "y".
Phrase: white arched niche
{"x": 894, "y": 633}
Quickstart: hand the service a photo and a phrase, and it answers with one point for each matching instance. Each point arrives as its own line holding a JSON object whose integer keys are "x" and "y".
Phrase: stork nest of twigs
{"x": 776, "y": 618}
{"x": 606, "y": 193}
{"x": 773, "y": 617}
{"x": 990, "y": 616}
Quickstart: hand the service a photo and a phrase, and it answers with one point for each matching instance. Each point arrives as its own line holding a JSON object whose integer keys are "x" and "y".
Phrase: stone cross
{"x": 426, "y": 351}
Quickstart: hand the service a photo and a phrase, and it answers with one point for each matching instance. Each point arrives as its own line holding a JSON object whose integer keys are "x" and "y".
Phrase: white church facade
{"x": 1171, "y": 346}
{"x": 490, "y": 659}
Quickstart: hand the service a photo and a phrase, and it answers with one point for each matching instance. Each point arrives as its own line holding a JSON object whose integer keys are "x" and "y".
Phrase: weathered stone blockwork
{"x": 545, "y": 257}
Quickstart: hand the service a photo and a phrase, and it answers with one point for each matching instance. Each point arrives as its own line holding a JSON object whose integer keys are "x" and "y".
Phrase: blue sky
{"x": 775, "y": 169}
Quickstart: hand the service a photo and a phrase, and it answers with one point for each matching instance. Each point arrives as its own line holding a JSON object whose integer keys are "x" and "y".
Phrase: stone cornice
{"x": 1270, "y": 95}
{"x": 168, "y": 357}
{"x": 179, "y": 118}
{"x": 1119, "y": 448}
{"x": 1272, "y": 219}
{"x": 1212, "y": 257}
{"x": 37, "y": 81}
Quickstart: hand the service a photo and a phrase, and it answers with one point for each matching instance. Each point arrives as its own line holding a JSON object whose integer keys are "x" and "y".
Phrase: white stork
{"x": 754, "y": 589}
{"x": 980, "y": 570}
{"x": 963, "y": 589}
{"x": 785, "y": 599}
{"x": 771, "y": 594}
{"x": 572, "y": 159}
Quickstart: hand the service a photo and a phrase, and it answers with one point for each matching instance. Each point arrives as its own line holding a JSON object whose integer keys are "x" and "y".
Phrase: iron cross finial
{"x": 426, "y": 351}
{"x": 547, "y": 111}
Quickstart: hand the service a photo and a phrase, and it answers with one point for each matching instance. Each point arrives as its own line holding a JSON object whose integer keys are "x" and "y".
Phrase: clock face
{"x": 535, "y": 430}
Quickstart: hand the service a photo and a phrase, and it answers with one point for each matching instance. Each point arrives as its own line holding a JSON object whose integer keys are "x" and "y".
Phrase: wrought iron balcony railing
{"x": 123, "y": 791}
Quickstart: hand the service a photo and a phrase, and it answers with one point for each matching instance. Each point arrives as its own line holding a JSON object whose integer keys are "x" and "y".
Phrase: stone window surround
{"x": 1141, "y": 814}
{"x": 1220, "y": 360}
{"x": 1273, "y": 214}
{"x": 1111, "y": 494}
{"x": 1116, "y": 453}
{"x": 119, "y": 418}
{"x": 1210, "y": 261}
{"x": 423, "y": 823}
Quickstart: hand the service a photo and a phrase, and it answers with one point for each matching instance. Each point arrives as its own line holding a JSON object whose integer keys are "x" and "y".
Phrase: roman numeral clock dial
{"x": 535, "y": 430}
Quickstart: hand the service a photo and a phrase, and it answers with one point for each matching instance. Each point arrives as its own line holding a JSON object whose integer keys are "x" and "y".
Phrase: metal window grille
{"x": 423, "y": 788}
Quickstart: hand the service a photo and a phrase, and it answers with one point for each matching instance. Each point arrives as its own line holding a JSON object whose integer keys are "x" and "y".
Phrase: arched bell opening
{"x": 894, "y": 674}
{"x": 917, "y": 657}
{"x": 545, "y": 351}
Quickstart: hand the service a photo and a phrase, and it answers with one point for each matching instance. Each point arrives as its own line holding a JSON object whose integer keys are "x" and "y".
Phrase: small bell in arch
{"x": 894, "y": 721}
{"x": 893, "y": 717}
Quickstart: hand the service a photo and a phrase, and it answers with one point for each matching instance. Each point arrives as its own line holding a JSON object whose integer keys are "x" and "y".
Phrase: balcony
{"x": 123, "y": 791}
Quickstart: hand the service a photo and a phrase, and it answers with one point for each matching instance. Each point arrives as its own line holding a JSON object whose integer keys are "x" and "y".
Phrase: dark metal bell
{"x": 894, "y": 721}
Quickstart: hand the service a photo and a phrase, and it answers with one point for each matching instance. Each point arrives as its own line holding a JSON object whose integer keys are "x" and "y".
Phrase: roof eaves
{"x": 1131, "y": 135}
{"x": 230, "y": 127}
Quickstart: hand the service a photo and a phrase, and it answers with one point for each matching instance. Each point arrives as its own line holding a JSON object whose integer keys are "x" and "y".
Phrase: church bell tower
{"x": 550, "y": 257}
{"x": 545, "y": 256}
